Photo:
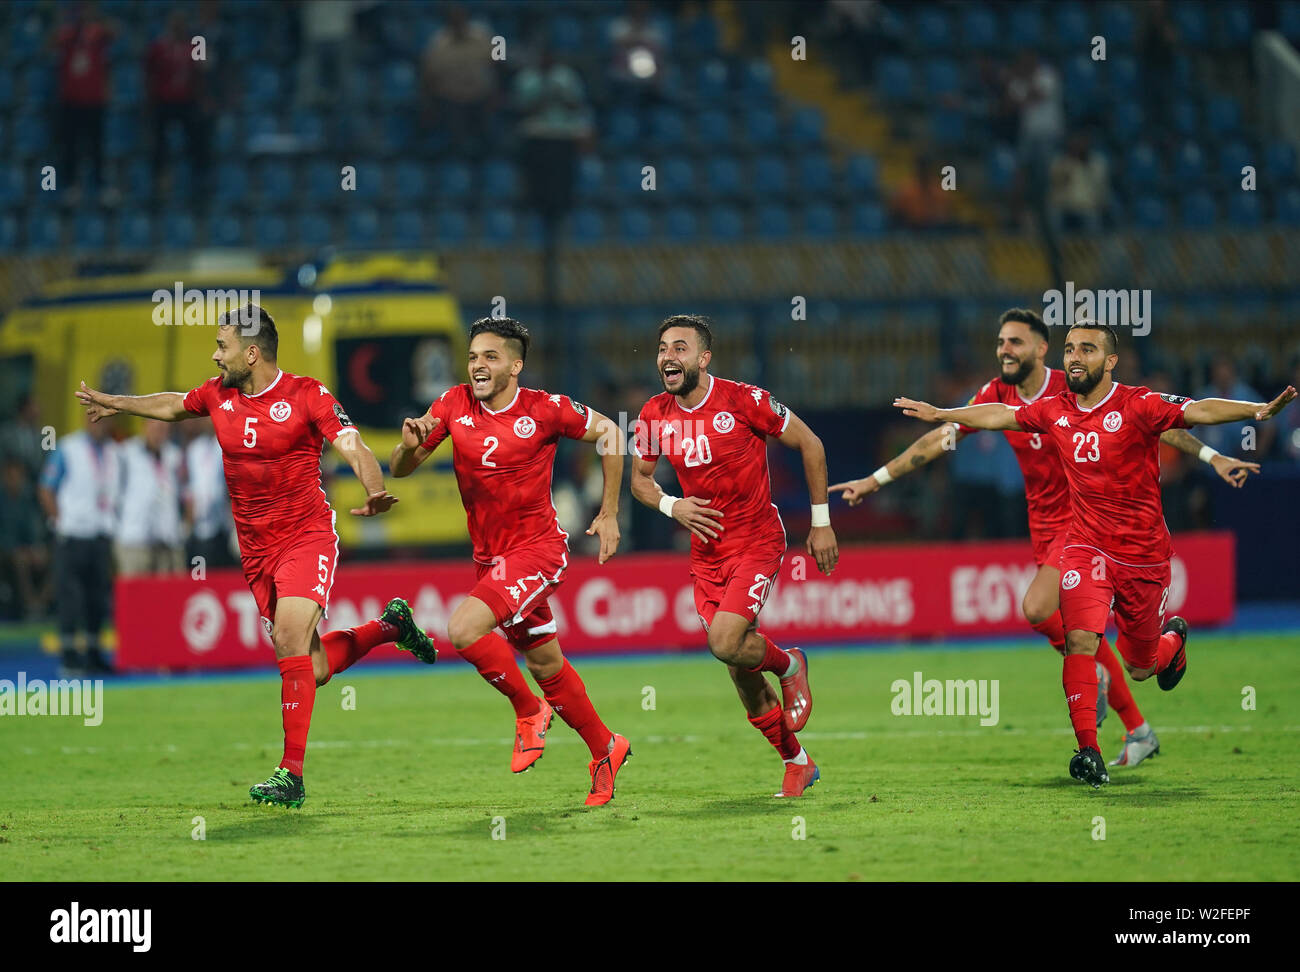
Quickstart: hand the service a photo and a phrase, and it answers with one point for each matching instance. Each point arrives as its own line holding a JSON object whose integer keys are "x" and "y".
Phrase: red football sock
{"x": 1053, "y": 630}
{"x": 492, "y": 656}
{"x": 1120, "y": 697}
{"x": 297, "y": 693}
{"x": 774, "y": 659}
{"x": 772, "y": 725}
{"x": 1079, "y": 676}
{"x": 345, "y": 648}
{"x": 568, "y": 697}
{"x": 1169, "y": 643}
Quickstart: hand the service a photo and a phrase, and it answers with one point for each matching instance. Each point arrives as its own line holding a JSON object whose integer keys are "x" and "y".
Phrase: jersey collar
{"x": 518, "y": 389}
{"x": 1047, "y": 380}
{"x": 278, "y": 375}
{"x": 1113, "y": 386}
{"x": 702, "y": 400}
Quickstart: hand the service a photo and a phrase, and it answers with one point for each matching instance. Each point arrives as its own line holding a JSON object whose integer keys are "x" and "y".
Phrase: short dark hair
{"x": 254, "y": 326}
{"x": 506, "y": 327}
{"x": 1024, "y": 315}
{"x": 1112, "y": 336}
{"x": 698, "y": 322}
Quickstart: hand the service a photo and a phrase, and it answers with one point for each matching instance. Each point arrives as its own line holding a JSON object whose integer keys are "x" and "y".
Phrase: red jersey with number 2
{"x": 1111, "y": 454}
{"x": 719, "y": 451}
{"x": 504, "y": 461}
{"x": 271, "y": 447}
{"x": 1046, "y": 488}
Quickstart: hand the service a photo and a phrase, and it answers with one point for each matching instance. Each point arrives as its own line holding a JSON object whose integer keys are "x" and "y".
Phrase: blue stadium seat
{"x": 948, "y": 126}
{"x": 232, "y": 182}
{"x": 451, "y": 226}
{"x": 1288, "y": 207}
{"x": 1073, "y": 30}
{"x": 868, "y": 219}
{"x": 756, "y": 81}
{"x": 262, "y": 87}
{"x": 1189, "y": 20}
{"x": 1186, "y": 117}
{"x": 399, "y": 84}
{"x": 90, "y": 231}
{"x": 134, "y": 231}
{"x": 680, "y": 224}
{"x": 127, "y": 87}
{"x": 942, "y": 77}
{"x": 1150, "y": 212}
{"x": 1118, "y": 26}
{"x": 726, "y": 223}
{"x": 762, "y": 129}
{"x": 769, "y": 177}
{"x": 626, "y": 176}
{"x": 819, "y": 220}
{"x": 591, "y": 178}
{"x": 676, "y": 177}
{"x": 270, "y": 232}
{"x": 1080, "y": 80}
{"x": 1279, "y": 162}
{"x": 177, "y": 231}
{"x": 499, "y": 225}
{"x": 1233, "y": 156}
{"x": 979, "y": 27}
{"x": 1189, "y": 164}
{"x": 10, "y": 234}
{"x": 1123, "y": 77}
{"x": 667, "y": 127}
{"x": 226, "y": 136}
{"x": 1288, "y": 21}
{"x": 930, "y": 29}
{"x": 314, "y": 230}
{"x": 12, "y": 185}
{"x": 587, "y": 225}
{"x": 397, "y": 133}
{"x": 622, "y": 129}
{"x": 323, "y": 182}
{"x": 44, "y": 231}
{"x": 814, "y": 175}
{"x": 1199, "y": 210}
{"x": 699, "y": 35}
{"x": 38, "y": 84}
{"x": 1243, "y": 208}
{"x": 1223, "y": 115}
{"x": 362, "y": 228}
{"x": 500, "y": 181}
{"x": 861, "y": 175}
{"x": 1236, "y": 24}
{"x": 1024, "y": 26}
{"x": 1142, "y": 168}
{"x": 713, "y": 129}
{"x": 566, "y": 33}
{"x": 276, "y": 183}
{"x": 894, "y": 80}
{"x": 309, "y": 126}
{"x": 1000, "y": 168}
{"x": 635, "y": 224}
{"x": 8, "y": 96}
{"x": 711, "y": 82}
{"x": 1126, "y": 120}
{"x": 410, "y": 183}
{"x": 722, "y": 176}
{"x": 408, "y": 229}
{"x": 808, "y": 127}
{"x": 452, "y": 180}
{"x": 228, "y": 230}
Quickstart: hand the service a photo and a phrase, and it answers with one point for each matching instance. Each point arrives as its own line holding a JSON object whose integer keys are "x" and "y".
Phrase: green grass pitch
{"x": 413, "y": 782}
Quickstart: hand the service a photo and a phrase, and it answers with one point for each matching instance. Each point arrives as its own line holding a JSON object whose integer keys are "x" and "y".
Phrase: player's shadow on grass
{"x": 270, "y": 822}
{"x": 1141, "y": 792}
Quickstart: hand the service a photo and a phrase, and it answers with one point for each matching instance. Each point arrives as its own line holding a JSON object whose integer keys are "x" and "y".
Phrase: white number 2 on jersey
{"x": 698, "y": 452}
{"x": 1091, "y": 439}
{"x": 491, "y": 442}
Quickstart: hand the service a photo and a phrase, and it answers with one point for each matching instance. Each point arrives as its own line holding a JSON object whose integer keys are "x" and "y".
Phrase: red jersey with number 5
{"x": 1046, "y": 488}
{"x": 719, "y": 451}
{"x": 504, "y": 461}
{"x": 1111, "y": 454}
{"x": 271, "y": 447}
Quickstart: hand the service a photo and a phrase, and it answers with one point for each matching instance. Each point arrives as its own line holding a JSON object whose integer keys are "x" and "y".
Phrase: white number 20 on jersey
{"x": 698, "y": 452}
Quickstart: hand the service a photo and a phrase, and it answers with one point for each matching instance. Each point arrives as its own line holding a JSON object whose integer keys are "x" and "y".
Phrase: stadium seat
{"x": 622, "y": 130}
{"x": 228, "y": 230}
{"x": 814, "y": 175}
{"x": 1243, "y": 208}
{"x": 270, "y": 232}
{"x": 310, "y": 127}
{"x": 1142, "y": 169}
{"x": 667, "y": 128}
{"x": 1000, "y": 168}
{"x": 1223, "y": 115}
{"x": 1199, "y": 210}
{"x": 399, "y": 84}
{"x": 1080, "y": 80}
{"x": 591, "y": 178}
{"x": 1186, "y": 116}
{"x": 566, "y": 34}
{"x": 587, "y": 225}
{"x": 807, "y": 127}
{"x": 323, "y": 183}
{"x": 948, "y": 126}
{"x": 410, "y": 184}
{"x": 773, "y": 221}
{"x": 680, "y": 224}
{"x": 90, "y": 231}
{"x": 635, "y": 224}
{"x": 1126, "y": 120}
{"x": 861, "y": 175}
{"x": 44, "y": 231}
{"x": 1150, "y": 212}
{"x": 819, "y": 220}
{"x": 8, "y": 97}
{"x": 12, "y": 185}
{"x": 1190, "y": 22}
{"x": 1279, "y": 162}
{"x": 722, "y": 176}
{"x": 769, "y": 178}
{"x": 726, "y": 223}
{"x": 1118, "y": 26}
{"x": 930, "y": 29}
{"x": 499, "y": 225}
{"x": 1288, "y": 21}
{"x": 676, "y": 178}
{"x": 1287, "y": 207}
{"x": 178, "y": 231}
{"x": 38, "y": 84}
{"x": 868, "y": 219}
{"x": 626, "y": 176}
{"x": 314, "y": 231}
{"x": 362, "y": 228}
{"x": 451, "y": 226}
{"x": 134, "y": 231}
{"x": 408, "y": 229}
{"x": 894, "y": 80}
{"x": 756, "y": 82}
{"x": 1189, "y": 164}
{"x": 500, "y": 181}
{"x": 1236, "y": 24}
{"x": 942, "y": 77}
{"x": 761, "y": 128}
{"x": 276, "y": 183}
{"x": 1024, "y": 26}
{"x": 711, "y": 82}
{"x": 1123, "y": 78}
{"x": 10, "y": 235}
{"x": 1233, "y": 157}
{"x": 1072, "y": 30}
{"x": 452, "y": 181}
{"x": 127, "y": 88}
{"x": 713, "y": 129}
{"x": 979, "y": 27}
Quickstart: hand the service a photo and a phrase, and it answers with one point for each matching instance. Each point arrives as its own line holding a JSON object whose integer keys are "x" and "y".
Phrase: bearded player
{"x": 271, "y": 425}
{"x": 1025, "y": 378}
{"x": 503, "y": 438}
{"x": 1118, "y": 548}
{"x": 714, "y": 433}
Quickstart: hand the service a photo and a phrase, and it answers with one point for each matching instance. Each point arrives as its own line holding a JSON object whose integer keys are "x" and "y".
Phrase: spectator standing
{"x": 1228, "y": 438}
{"x": 922, "y": 203}
{"x": 24, "y": 554}
{"x": 78, "y": 492}
{"x": 207, "y": 501}
{"x": 173, "y": 80}
{"x": 1079, "y": 191}
{"x": 326, "y": 61}
{"x": 459, "y": 79}
{"x": 640, "y": 46}
{"x": 81, "y": 48}
{"x": 21, "y": 439}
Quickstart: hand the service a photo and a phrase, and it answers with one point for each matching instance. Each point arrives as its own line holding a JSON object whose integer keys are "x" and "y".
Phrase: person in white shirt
{"x": 78, "y": 492}
{"x": 207, "y": 501}
{"x": 148, "y": 537}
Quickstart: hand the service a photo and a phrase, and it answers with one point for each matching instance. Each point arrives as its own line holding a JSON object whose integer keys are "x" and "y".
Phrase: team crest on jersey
{"x": 723, "y": 422}
{"x": 777, "y": 407}
{"x": 281, "y": 410}
{"x": 1173, "y": 399}
{"x": 228, "y": 405}
{"x": 341, "y": 415}
{"x": 525, "y": 427}
{"x": 579, "y": 408}
{"x": 1069, "y": 580}
{"x": 1112, "y": 421}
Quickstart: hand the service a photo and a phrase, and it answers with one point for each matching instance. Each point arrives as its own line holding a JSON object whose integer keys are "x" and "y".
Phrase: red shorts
{"x": 516, "y": 587}
{"x": 1092, "y": 583}
{"x": 1048, "y": 547}
{"x": 740, "y": 585}
{"x": 304, "y": 568}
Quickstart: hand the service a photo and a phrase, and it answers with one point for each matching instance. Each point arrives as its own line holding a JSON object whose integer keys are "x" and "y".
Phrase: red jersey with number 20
{"x": 504, "y": 461}
{"x": 1046, "y": 488}
{"x": 719, "y": 451}
{"x": 1111, "y": 454}
{"x": 271, "y": 447}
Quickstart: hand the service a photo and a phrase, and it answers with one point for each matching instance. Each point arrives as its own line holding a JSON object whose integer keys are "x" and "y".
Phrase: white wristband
{"x": 821, "y": 514}
{"x": 882, "y": 476}
{"x": 666, "y": 505}
{"x": 1207, "y": 453}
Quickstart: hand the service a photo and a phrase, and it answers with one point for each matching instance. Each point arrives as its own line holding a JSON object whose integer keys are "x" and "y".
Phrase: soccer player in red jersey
{"x": 1117, "y": 549}
{"x": 714, "y": 433}
{"x": 271, "y": 425}
{"x": 504, "y": 438}
{"x": 1024, "y": 379}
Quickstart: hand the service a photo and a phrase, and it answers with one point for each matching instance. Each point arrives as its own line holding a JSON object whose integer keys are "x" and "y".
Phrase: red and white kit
{"x": 271, "y": 447}
{"x": 719, "y": 451}
{"x": 504, "y": 462}
{"x": 1118, "y": 547}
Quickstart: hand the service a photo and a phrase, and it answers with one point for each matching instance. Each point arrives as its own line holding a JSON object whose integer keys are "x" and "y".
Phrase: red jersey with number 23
{"x": 719, "y": 451}
{"x": 504, "y": 461}
{"x": 271, "y": 447}
{"x": 1046, "y": 488}
{"x": 1111, "y": 454}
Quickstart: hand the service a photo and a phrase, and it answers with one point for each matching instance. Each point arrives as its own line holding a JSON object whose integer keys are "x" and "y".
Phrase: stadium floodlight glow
{"x": 641, "y": 62}
{"x": 322, "y": 304}
{"x": 311, "y": 333}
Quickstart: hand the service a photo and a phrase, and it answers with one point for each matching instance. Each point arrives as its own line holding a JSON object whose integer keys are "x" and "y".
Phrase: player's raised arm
{"x": 1216, "y": 411}
{"x": 924, "y": 450}
{"x": 610, "y": 446}
{"x": 993, "y": 416}
{"x": 821, "y": 544}
{"x": 411, "y": 451}
{"x": 166, "y": 406}
{"x": 1232, "y": 471}
{"x": 350, "y": 446}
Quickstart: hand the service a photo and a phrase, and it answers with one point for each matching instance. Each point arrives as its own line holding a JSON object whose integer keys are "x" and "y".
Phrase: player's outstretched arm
{"x": 167, "y": 406}
{"x": 410, "y": 452}
{"x": 924, "y": 450}
{"x": 610, "y": 446}
{"x": 993, "y": 416}
{"x": 692, "y": 512}
{"x": 1232, "y": 471}
{"x": 349, "y": 445}
{"x": 821, "y": 544}
{"x": 1216, "y": 411}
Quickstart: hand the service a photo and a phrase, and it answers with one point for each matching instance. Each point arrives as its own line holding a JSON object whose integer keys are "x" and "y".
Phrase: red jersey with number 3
{"x": 271, "y": 447}
{"x": 1046, "y": 488}
{"x": 504, "y": 461}
{"x": 719, "y": 451}
{"x": 1111, "y": 454}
